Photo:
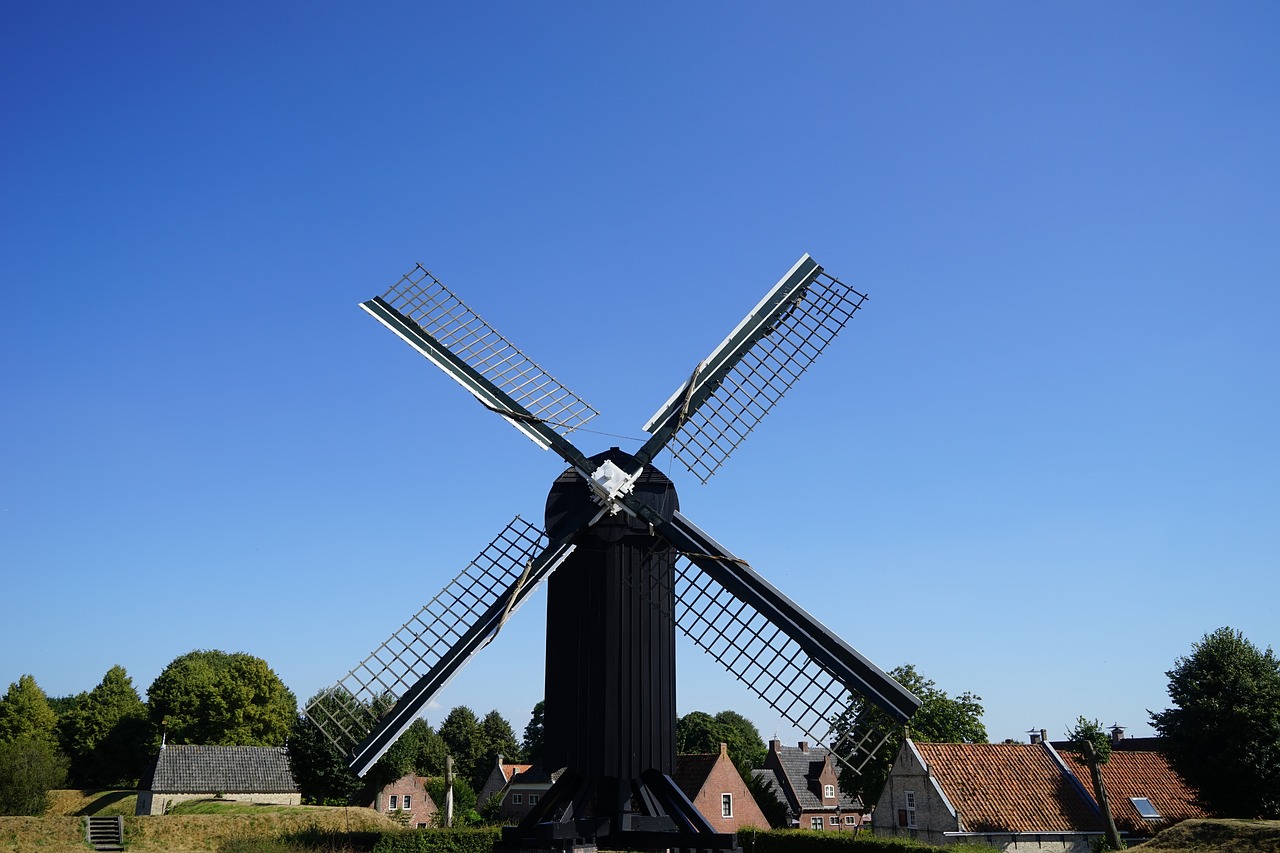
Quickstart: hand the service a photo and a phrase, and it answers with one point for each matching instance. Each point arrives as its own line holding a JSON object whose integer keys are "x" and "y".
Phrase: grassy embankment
{"x": 213, "y": 826}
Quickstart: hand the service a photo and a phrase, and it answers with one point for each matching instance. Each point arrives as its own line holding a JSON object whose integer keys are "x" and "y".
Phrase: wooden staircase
{"x": 105, "y": 833}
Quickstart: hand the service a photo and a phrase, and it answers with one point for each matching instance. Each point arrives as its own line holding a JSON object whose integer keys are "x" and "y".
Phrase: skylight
{"x": 1144, "y": 807}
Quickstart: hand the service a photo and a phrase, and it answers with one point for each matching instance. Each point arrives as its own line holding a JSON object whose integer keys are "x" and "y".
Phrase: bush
{"x": 29, "y": 769}
{"x": 439, "y": 841}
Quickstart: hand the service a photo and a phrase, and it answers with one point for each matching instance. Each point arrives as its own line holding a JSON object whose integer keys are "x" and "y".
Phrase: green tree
{"x": 215, "y": 698}
{"x": 1223, "y": 733}
{"x": 1090, "y": 742}
{"x": 25, "y": 712}
{"x": 496, "y": 738}
{"x": 531, "y": 745}
{"x": 318, "y": 766}
{"x": 461, "y": 733}
{"x": 940, "y": 719}
{"x": 699, "y": 732}
{"x": 464, "y": 800}
{"x": 106, "y": 734}
{"x": 30, "y": 767}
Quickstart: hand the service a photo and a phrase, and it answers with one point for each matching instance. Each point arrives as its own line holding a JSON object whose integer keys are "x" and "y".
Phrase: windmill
{"x": 625, "y": 569}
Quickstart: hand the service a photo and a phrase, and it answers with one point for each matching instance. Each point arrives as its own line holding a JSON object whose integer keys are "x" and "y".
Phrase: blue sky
{"x": 1039, "y": 465}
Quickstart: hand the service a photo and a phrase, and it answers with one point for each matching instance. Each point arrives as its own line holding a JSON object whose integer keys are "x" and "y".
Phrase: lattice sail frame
{"x": 421, "y": 297}
{"x": 770, "y": 664}
{"x": 765, "y": 372}
{"x": 347, "y": 712}
{"x": 767, "y": 662}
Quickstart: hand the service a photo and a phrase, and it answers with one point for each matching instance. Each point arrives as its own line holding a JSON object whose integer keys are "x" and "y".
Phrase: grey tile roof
{"x": 189, "y": 769}
{"x": 803, "y": 768}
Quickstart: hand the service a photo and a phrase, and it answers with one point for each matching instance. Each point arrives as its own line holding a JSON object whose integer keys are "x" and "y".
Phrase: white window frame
{"x": 911, "y": 809}
{"x": 404, "y": 803}
{"x": 834, "y": 820}
{"x": 726, "y": 805}
{"x": 850, "y": 820}
{"x": 533, "y": 799}
{"x": 816, "y": 823}
{"x": 828, "y": 792}
{"x": 392, "y": 799}
{"x": 517, "y": 799}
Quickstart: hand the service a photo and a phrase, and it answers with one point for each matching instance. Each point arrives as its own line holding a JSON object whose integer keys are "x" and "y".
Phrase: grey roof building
{"x": 804, "y": 779}
{"x": 257, "y": 774}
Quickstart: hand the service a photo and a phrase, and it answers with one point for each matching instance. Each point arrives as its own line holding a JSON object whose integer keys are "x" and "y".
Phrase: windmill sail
{"x": 377, "y": 700}
{"x": 431, "y": 319}
{"x": 708, "y": 416}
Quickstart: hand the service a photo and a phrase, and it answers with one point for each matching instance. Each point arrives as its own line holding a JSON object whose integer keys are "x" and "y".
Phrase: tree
{"x": 699, "y": 732}
{"x": 1223, "y": 733}
{"x": 106, "y": 734}
{"x": 940, "y": 719}
{"x": 1091, "y": 743}
{"x": 29, "y": 767}
{"x": 496, "y": 738}
{"x": 25, "y": 712}
{"x": 531, "y": 746}
{"x": 461, "y": 733}
{"x": 215, "y": 698}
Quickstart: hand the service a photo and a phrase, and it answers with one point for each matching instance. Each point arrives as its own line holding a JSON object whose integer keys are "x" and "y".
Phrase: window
{"x": 517, "y": 799}
{"x": 907, "y": 816}
{"x": 815, "y": 823}
{"x": 850, "y": 820}
{"x": 726, "y": 805}
{"x": 828, "y": 792}
{"x": 834, "y": 820}
{"x": 391, "y": 802}
{"x": 533, "y": 799}
{"x": 405, "y": 804}
{"x": 1144, "y": 807}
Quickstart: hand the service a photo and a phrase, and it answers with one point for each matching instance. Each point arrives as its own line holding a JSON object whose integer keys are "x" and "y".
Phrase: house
{"x": 246, "y": 774}
{"x": 804, "y": 779}
{"x": 1010, "y": 795}
{"x": 1146, "y": 794}
{"x": 500, "y": 776}
{"x": 406, "y": 800}
{"x": 520, "y": 785}
{"x": 716, "y": 789}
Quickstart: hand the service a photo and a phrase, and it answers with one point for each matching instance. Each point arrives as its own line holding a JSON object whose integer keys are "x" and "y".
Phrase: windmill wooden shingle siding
{"x": 629, "y": 568}
{"x": 256, "y": 774}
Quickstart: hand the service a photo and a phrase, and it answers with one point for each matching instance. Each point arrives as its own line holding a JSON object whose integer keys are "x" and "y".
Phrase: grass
{"x": 224, "y": 826}
{"x": 1217, "y": 836}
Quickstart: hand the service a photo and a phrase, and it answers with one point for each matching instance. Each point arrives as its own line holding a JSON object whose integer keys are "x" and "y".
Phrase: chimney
{"x": 1037, "y": 735}
{"x": 775, "y": 745}
{"x": 804, "y": 746}
{"x": 1117, "y": 733}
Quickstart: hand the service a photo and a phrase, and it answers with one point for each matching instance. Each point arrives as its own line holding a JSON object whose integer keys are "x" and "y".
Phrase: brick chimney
{"x": 804, "y": 746}
{"x": 1117, "y": 733}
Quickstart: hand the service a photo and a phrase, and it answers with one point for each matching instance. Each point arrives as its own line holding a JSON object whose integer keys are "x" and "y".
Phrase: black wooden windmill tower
{"x": 629, "y": 569}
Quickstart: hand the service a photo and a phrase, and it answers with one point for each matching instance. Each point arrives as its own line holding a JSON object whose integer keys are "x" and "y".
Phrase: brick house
{"x": 716, "y": 789}
{"x": 1011, "y": 795}
{"x": 246, "y": 774}
{"x": 406, "y": 800}
{"x": 804, "y": 778}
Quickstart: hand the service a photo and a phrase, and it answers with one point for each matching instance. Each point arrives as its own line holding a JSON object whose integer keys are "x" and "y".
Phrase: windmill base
{"x": 579, "y": 815}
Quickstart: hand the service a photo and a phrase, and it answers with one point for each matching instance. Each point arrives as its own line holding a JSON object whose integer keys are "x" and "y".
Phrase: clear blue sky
{"x": 1039, "y": 466}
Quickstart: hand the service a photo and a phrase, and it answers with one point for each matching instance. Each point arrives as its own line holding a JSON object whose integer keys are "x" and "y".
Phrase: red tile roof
{"x": 511, "y": 770}
{"x": 998, "y": 787}
{"x": 1140, "y": 774}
